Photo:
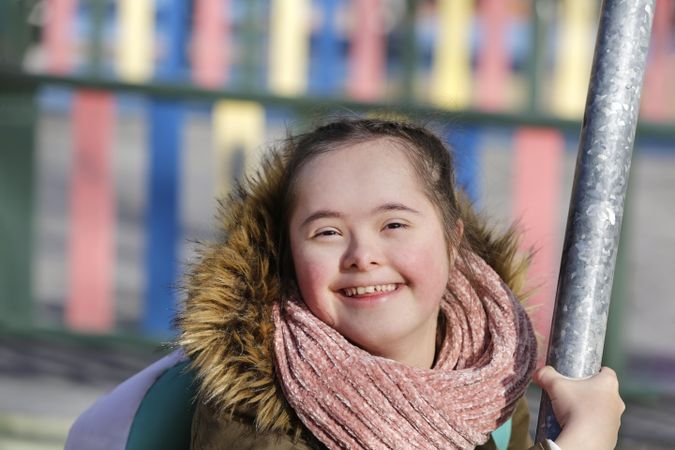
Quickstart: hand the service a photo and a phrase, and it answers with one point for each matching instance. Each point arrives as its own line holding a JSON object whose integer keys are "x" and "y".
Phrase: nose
{"x": 362, "y": 254}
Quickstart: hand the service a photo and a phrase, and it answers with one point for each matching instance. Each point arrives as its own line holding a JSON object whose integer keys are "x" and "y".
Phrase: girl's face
{"x": 369, "y": 251}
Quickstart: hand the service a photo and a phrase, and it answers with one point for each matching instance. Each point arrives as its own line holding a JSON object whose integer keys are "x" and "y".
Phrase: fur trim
{"x": 500, "y": 249}
{"x": 226, "y": 322}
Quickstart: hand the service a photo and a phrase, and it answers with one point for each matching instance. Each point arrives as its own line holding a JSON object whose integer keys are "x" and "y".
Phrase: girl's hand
{"x": 589, "y": 410}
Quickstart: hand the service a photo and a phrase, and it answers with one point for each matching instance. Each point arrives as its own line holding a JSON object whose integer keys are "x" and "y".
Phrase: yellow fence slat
{"x": 135, "y": 43}
{"x": 238, "y": 126}
{"x": 451, "y": 69}
{"x": 289, "y": 46}
{"x": 574, "y": 57}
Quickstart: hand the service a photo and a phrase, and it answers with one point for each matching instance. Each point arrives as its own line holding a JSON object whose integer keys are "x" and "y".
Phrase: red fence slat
{"x": 89, "y": 306}
{"x": 537, "y": 161}
{"x": 367, "y": 52}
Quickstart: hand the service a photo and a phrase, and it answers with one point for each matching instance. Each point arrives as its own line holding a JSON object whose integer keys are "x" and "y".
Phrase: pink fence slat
{"x": 493, "y": 59}
{"x": 212, "y": 45}
{"x": 58, "y": 35}
{"x": 367, "y": 51}
{"x": 658, "y": 79}
{"x": 538, "y": 160}
{"x": 89, "y": 306}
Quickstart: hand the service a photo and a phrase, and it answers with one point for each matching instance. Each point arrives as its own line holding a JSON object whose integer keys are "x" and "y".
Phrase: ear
{"x": 459, "y": 228}
{"x": 459, "y": 232}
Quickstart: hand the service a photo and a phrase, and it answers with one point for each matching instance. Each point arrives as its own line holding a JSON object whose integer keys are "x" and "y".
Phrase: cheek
{"x": 429, "y": 268}
{"x": 312, "y": 275}
{"x": 313, "y": 282}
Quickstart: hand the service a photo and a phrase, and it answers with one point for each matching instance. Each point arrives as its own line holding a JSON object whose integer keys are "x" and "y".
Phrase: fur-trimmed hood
{"x": 226, "y": 324}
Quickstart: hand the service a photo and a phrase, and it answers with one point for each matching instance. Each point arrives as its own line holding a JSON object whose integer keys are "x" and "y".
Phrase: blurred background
{"x": 123, "y": 121}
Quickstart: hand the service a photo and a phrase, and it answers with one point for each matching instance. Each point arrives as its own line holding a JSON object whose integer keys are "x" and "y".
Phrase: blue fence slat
{"x": 163, "y": 230}
{"x": 327, "y": 53}
{"x": 175, "y": 17}
{"x": 465, "y": 142}
{"x": 163, "y": 215}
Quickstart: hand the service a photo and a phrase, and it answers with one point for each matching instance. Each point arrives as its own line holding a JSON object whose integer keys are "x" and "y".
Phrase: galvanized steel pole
{"x": 596, "y": 206}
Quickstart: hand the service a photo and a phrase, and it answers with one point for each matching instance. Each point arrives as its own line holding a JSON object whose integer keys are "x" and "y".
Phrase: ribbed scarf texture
{"x": 351, "y": 399}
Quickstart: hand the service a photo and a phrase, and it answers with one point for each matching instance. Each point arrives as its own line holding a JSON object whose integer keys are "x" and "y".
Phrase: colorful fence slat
{"x": 90, "y": 304}
{"x": 135, "y": 62}
{"x": 493, "y": 59}
{"x": 367, "y": 53}
{"x": 135, "y": 44}
{"x": 163, "y": 216}
{"x": 239, "y": 131}
{"x": 573, "y": 57}
{"x": 18, "y": 115}
{"x": 58, "y": 38}
{"x": 59, "y": 55}
{"x": 173, "y": 59}
{"x": 327, "y": 55}
{"x": 465, "y": 142}
{"x": 289, "y": 46}
{"x": 537, "y": 162}
{"x": 162, "y": 220}
{"x": 659, "y": 74}
{"x": 238, "y": 126}
{"x": 451, "y": 66}
{"x": 211, "y": 27}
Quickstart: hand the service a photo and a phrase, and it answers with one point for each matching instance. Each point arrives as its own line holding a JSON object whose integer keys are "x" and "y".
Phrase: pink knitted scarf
{"x": 349, "y": 398}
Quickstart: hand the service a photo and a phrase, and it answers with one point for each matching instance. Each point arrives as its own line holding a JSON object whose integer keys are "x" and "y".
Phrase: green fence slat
{"x": 409, "y": 52}
{"x": 17, "y": 142}
{"x": 251, "y": 45}
{"x": 97, "y": 17}
{"x": 540, "y": 23}
{"x": 14, "y": 31}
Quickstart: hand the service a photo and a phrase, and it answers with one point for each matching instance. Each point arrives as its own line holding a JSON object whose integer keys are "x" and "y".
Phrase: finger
{"x": 545, "y": 376}
{"x": 608, "y": 372}
{"x": 609, "y": 378}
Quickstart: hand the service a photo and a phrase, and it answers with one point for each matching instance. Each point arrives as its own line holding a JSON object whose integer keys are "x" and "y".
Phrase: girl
{"x": 356, "y": 301}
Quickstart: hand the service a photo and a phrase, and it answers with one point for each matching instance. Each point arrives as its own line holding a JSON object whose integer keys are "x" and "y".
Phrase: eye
{"x": 395, "y": 225}
{"x": 326, "y": 232}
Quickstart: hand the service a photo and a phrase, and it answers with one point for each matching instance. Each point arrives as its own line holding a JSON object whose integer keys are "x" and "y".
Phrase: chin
{"x": 403, "y": 343}
{"x": 385, "y": 344}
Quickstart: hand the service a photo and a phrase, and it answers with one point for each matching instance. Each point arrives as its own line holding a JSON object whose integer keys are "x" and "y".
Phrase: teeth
{"x": 360, "y": 290}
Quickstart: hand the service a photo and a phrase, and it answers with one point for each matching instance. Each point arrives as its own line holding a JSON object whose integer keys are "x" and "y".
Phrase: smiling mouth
{"x": 365, "y": 290}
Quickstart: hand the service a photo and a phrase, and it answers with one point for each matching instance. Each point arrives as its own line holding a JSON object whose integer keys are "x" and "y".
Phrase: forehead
{"x": 369, "y": 171}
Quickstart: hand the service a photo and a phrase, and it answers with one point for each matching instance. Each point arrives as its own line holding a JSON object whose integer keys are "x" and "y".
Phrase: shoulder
{"x": 238, "y": 431}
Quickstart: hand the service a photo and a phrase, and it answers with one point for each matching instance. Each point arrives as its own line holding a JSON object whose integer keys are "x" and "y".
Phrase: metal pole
{"x": 596, "y": 207}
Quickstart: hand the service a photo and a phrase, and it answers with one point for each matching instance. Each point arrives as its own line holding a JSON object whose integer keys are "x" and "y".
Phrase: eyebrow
{"x": 395, "y": 207}
{"x": 329, "y": 214}
{"x": 321, "y": 214}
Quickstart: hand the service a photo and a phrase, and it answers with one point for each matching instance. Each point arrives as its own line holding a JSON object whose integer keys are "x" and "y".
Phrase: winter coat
{"x": 158, "y": 409}
{"x": 227, "y": 330}
{"x": 238, "y": 432}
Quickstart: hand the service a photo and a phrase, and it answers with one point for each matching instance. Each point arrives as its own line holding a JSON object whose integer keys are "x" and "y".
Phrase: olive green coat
{"x": 238, "y": 432}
